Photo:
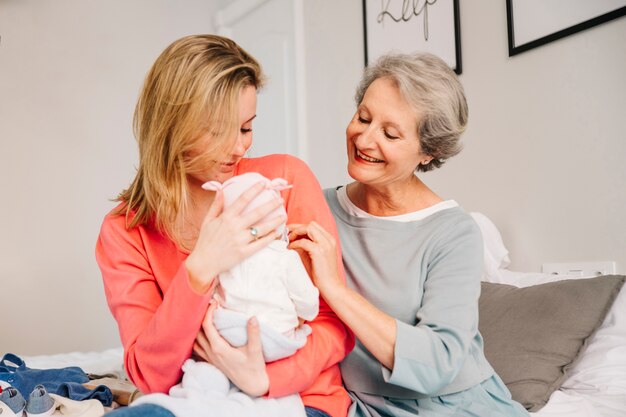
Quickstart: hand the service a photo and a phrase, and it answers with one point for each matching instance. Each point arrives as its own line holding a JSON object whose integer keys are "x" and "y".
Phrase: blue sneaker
{"x": 11, "y": 403}
{"x": 40, "y": 403}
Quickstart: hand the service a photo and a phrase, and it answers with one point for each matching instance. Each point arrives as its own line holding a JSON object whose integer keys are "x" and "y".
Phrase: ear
{"x": 279, "y": 184}
{"x": 212, "y": 186}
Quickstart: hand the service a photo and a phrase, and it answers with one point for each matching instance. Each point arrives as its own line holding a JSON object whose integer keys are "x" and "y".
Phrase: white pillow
{"x": 495, "y": 253}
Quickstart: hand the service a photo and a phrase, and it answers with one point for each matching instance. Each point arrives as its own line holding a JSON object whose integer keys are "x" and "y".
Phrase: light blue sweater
{"x": 426, "y": 274}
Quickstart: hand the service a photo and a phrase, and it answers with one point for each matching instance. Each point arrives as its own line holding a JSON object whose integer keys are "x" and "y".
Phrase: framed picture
{"x": 413, "y": 25}
{"x": 533, "y": 23}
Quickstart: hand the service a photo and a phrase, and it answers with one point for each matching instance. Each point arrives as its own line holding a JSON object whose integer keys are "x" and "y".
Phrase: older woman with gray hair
{"x": 413, "y": 260}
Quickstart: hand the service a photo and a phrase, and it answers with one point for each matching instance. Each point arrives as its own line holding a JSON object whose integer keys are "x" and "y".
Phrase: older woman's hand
{"x": 373, "y": 327}
{"x": 225, "y": 237}
{"x": 322, "y": 249}
{"x": 244, "y": 366}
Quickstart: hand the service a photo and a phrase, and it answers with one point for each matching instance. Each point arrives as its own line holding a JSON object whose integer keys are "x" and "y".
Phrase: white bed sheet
{"x": 567, "y": 403}
{"x": 109, "y": 361}
{"x": 562, "y": 404}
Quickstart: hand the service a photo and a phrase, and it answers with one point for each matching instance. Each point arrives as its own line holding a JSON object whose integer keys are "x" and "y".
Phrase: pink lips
{"x": 357, "y": 152}
{"x": 228, "y": 166}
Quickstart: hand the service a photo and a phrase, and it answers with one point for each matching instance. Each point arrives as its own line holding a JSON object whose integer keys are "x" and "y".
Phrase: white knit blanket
{"x": 205, "y": 391}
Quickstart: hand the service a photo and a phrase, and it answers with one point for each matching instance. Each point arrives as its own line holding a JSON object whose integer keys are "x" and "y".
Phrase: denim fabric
{"x": 13, "y": 399}
{"x": 66, "y": 382}
{"x": 143, "y": 410}
{"x": 39, "y": 401}
{"x": 314, "y": 412}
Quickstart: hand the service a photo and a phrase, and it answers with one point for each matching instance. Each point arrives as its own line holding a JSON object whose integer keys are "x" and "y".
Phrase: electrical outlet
{"x": 579, "y": 269}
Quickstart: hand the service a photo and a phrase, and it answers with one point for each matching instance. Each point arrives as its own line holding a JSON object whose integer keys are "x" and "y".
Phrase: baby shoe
{"x": 11, "y": 403}
{"x": 39, "y": 403}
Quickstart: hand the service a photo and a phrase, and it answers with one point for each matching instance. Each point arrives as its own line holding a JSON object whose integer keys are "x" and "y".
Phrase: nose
{"x": 364, "y": 137}
{"x": 239, "y": 148}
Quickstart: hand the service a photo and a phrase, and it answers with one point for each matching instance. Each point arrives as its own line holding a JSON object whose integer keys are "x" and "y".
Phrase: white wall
{"x": 546, "y": 145}
{"x": 70, "y": 72}
{"x": 545, "y": 151}
{"x": 334, "y": 57}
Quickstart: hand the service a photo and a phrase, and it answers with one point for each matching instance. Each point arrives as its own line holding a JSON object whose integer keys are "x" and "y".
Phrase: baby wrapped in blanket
{"x": 271, "y": 285}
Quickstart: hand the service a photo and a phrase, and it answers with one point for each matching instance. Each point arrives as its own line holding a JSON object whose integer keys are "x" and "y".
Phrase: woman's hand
{"x": 373, "y": 327}
{"x": 322, "y": 249}
{"x": 225, "y": 237}
{"x": 244, "y": 366}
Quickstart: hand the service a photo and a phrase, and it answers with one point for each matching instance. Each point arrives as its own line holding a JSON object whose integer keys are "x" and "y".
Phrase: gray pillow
{"x": 533, "y": 335}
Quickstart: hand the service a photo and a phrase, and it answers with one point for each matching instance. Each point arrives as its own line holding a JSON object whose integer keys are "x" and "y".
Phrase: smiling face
{"x": 222, "y": 170}
{"x": 382, "y": 140}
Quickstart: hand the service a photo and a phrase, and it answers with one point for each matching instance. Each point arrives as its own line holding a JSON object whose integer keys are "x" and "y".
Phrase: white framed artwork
{"x": 532, "y": 23}
{"x": 413, "y": 25}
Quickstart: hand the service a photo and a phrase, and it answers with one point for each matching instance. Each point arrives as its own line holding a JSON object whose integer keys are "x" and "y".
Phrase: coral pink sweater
{"x": 159, "y": 315}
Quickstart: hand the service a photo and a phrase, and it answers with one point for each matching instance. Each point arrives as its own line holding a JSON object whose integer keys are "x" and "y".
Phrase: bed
{"x": 594, "y": 385}
{"x": 589, "y": 380}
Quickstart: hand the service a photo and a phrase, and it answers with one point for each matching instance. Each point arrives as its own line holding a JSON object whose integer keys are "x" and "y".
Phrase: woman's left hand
{"x": 322, "y": 249}
{"x": 244, "y": 366}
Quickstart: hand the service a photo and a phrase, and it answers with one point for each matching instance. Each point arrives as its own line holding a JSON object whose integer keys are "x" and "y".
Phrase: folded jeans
{"x": 66, "y": 382}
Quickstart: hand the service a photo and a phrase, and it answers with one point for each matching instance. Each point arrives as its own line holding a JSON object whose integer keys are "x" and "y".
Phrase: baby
{"x": 272, "y": 284}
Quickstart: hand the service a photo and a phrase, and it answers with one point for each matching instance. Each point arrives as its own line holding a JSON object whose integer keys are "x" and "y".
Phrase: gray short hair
{"x": 436, "y": 94}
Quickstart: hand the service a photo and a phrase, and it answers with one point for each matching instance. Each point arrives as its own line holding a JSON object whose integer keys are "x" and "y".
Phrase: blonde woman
{"x": 413, "y": 260}
{"x": 161, "y": 248}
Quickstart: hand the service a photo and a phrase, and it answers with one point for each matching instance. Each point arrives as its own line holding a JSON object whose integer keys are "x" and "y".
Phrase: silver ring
{"x": 254, "y": 232}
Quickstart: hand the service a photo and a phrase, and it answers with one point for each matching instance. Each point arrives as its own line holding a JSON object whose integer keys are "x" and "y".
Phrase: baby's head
{"x": 237, "y": 185}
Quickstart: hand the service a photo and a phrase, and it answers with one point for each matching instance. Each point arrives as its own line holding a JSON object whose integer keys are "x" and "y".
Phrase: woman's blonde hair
{"x": 192, "y": 89}
{"x": 435, "y": 93}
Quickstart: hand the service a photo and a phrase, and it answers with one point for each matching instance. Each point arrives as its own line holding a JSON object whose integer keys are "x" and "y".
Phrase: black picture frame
{"x": 515, "y": 49}
{"x": 454, "y": 28}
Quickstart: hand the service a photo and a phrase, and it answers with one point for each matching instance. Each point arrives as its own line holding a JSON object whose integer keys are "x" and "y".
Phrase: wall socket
{"x": 579, "y": 269}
